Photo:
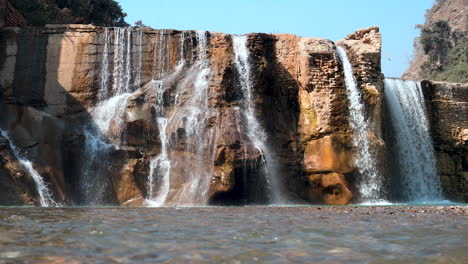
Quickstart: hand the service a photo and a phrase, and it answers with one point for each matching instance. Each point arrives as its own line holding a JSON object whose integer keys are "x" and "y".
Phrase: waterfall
{"x": 255, "y": 131}
{"x": 370, "y": 180}
{"x": 160, "y": 165}
{"x": 97, "y": 163}
{"x": 137, "y": 81}
{"x": 128, "y": 61}
{"x": 191, "y": 116}
{"x": 415, "y": 152}
{"x": 160, "y": 56}
{"x": 45, "y": 195}
{"x": 182, "y": 54}
{"x": 199, "y": 99}
{"x": 119, "y": 48}
{"x": 122, "y": 60}
{"x": 103, "y": 90}
{"x": 109, "y": 111}
{"x": 203, "y": 138}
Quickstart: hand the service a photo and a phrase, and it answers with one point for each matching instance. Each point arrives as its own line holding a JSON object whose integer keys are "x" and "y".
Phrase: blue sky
{"x": 331, "y": 19}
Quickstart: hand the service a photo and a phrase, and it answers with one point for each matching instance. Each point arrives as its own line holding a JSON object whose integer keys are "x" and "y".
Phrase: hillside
{"x": 97, "y": 12}
{"x": 441, "y": 50}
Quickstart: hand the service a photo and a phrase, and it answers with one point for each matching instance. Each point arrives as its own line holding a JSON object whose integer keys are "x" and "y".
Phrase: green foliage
{"x": 447, "y": 51}
{"x": 97, "y": 12}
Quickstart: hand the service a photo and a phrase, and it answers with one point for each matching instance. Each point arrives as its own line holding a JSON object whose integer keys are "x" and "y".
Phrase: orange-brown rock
{"x": 331, "y": 188}
{"x": 330, "y": 153}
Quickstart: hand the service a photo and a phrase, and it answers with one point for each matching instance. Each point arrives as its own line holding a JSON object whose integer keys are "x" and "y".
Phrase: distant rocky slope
{"x": 441, "y": 51}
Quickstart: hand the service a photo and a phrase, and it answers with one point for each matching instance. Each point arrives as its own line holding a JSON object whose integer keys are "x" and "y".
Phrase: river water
{"x": 392, "y": 234}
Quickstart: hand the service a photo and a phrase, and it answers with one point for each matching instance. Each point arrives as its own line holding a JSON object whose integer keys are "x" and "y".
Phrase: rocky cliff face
{"x": 179, "y": 131}
{"x": 448, "y": 111}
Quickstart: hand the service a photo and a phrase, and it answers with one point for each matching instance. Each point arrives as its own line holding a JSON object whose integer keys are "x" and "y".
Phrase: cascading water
{"x": 137, "y": 81}
{"x": 191, "y": 116}
{"x": 121, "y": 66}
{"x": 45, "y": 195}
{"x": 103, "y": 91}
{"x": 202, "y": 137}
{"x": 416, "y": 158}
{"x": 97, "y": 164}
{"x": 182, "y": 54}
{"x": 255, "y": 132}
{"x": 128, "y": 61}
{"x": 118, "y": 73}
{"x": 370, "y": 180}
{"x": 109, "y": 111}
{"x": 160, "y": 165}
{"x": 160, "y": 56}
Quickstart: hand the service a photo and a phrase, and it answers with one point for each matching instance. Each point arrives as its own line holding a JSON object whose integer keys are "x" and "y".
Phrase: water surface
{"x": 391, "y": 234}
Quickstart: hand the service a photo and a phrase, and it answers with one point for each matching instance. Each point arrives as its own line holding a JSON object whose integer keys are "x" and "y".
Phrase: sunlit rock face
{"x": 447, "y": 107}
{"x": 161, "y": 117}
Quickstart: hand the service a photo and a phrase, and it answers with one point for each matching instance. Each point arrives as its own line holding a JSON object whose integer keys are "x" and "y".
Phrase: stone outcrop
{"x": 447, "y": 107}
{"x": 50, "y": 80}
